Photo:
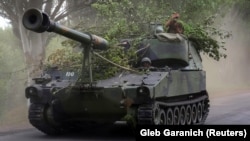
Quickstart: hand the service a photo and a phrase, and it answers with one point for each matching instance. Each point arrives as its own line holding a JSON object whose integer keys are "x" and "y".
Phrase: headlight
{"x": 31, "y": 92}
{"x": 143, "y": 92}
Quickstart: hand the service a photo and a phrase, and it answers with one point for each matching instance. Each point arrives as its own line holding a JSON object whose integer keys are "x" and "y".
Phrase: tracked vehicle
{"x": 170, "y": 92}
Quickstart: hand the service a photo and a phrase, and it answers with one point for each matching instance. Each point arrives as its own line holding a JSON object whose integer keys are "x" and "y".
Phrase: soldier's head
{"x": 146, "y": 62}
{"x": 176, "y": 26}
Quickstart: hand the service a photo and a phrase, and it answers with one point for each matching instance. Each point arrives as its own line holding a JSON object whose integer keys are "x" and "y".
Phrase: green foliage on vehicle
{"x": 130, "y": 19}
{"x": 207, "y": 40}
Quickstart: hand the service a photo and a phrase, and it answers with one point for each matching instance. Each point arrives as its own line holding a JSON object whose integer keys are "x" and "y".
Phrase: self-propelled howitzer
{"x": 171, "y": 91}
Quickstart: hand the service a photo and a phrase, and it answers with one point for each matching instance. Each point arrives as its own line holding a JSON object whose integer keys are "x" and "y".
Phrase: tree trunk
{"x": 33, "y": 46}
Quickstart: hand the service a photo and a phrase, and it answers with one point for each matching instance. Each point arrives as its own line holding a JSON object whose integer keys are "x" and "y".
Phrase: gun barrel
{"x": 38, "y": 21}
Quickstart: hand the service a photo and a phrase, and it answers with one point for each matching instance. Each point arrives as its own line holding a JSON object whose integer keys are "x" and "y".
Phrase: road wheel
{"x": 188, "y": 115}
{"x": 170, "y": 116}
{"x": 163, "y": 119}
{"x": 182, "y": 116}
{"x": 176, "y": 116}
{"x": 199, "y": 112}
{"x": 194, "y": 113}
{"x": 156, "y": 114}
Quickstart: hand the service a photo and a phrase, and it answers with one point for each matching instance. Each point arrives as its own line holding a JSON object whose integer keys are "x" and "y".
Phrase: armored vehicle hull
{"x": 170, "y": 92}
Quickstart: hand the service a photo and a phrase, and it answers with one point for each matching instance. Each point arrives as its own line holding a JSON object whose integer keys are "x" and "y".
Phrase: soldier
{"x": 174, "y": 25}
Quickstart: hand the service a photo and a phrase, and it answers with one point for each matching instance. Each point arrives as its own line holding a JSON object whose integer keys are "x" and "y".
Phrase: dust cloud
{"x": 233, "y": 73}
{"x": 14, "y": 114}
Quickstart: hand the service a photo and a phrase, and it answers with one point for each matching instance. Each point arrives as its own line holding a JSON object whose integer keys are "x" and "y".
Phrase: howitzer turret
{"x": 38, "y": 21}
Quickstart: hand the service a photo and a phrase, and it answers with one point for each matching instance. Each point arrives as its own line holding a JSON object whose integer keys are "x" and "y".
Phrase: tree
{"x": 32, "y": 44}
{"x": 11, "y": 72}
